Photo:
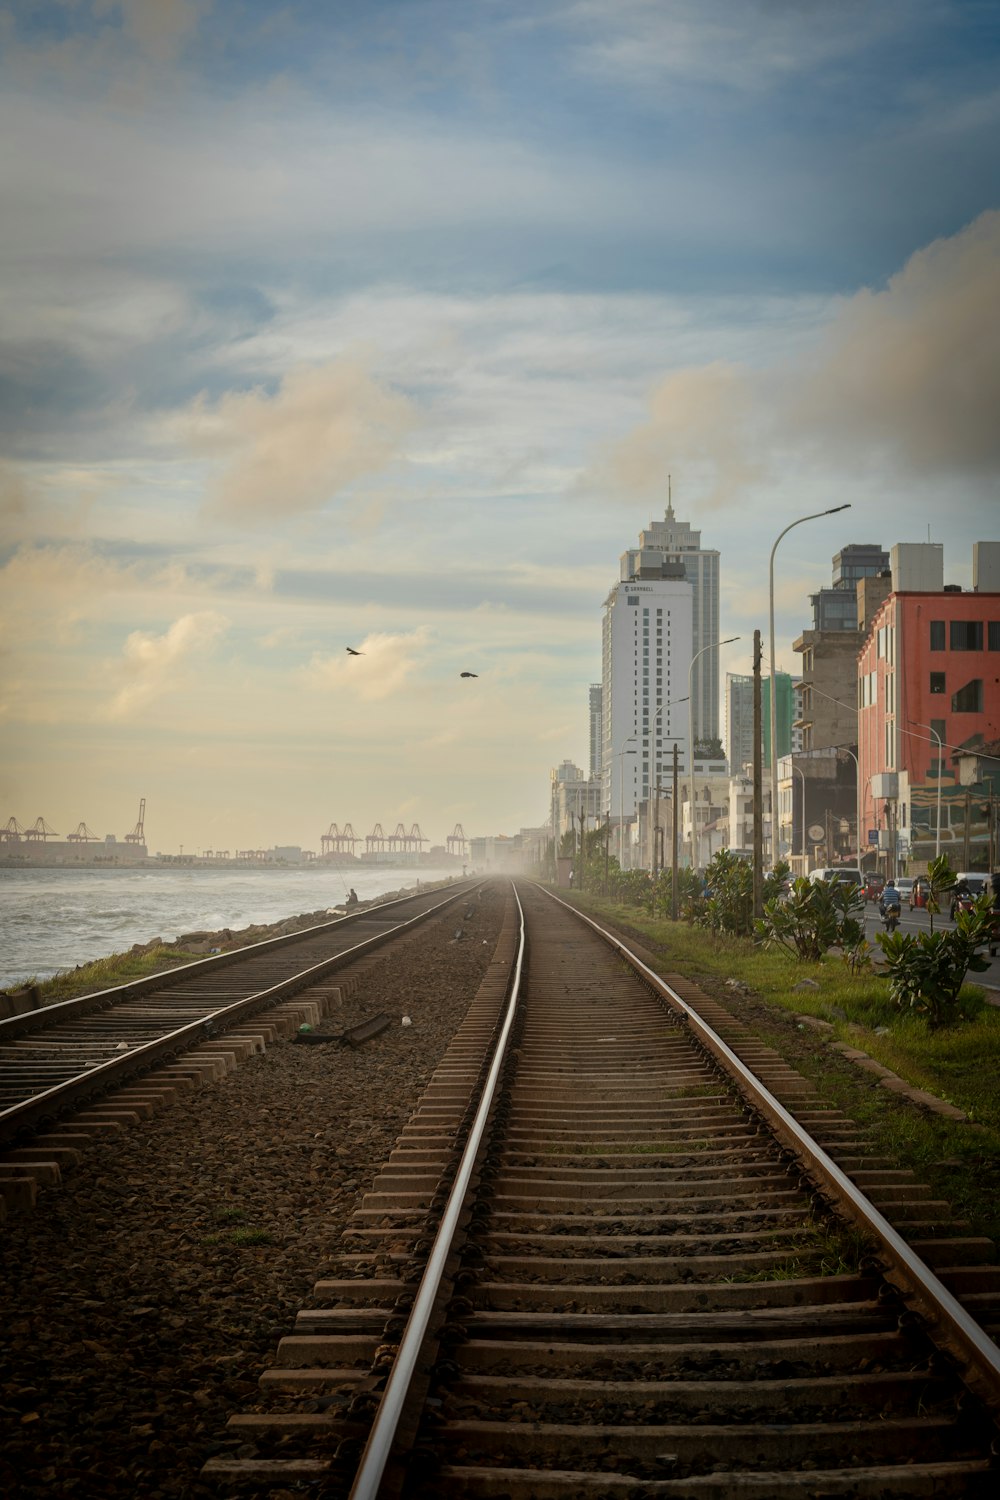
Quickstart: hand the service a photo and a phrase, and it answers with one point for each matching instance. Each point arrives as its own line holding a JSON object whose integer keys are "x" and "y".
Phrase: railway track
{"x": 86, "y": 1066}
{"x": 630, "y": 1254}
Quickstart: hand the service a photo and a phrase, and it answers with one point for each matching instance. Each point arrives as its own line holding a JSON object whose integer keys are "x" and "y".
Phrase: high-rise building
{"x": 739, "y": 722}
{"x": 646, "y": 661}
{"x": 739, "y": 718}
{"x": 836, "y": 608}
{"x": 785, "y": 700}
{"x": 673, "y": 541}
{"x": 596, "y": 730}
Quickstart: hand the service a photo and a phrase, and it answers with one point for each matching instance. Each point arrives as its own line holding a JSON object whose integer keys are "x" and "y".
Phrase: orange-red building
{"x": 928, "y": 687}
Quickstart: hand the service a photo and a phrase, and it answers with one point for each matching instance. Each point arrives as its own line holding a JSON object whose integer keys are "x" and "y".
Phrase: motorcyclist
{"x": 889, "y": 900}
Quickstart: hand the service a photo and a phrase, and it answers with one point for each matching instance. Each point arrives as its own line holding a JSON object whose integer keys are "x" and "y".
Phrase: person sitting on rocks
{"x": 352, "y": 899}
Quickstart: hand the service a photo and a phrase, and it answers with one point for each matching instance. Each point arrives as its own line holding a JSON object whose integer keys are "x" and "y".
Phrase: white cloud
{"x": 296, "y": 450}
{"x": 153, "y": 665}
{"x": 386, "y": 664}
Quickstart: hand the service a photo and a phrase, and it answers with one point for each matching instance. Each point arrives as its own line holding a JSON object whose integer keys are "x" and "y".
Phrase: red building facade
{"x": 928, "y": 686}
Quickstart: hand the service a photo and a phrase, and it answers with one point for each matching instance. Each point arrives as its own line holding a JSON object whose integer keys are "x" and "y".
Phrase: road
{"x": 919, "y": 921}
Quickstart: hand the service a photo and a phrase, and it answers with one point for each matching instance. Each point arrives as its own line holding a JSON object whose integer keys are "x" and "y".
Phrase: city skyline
{"x": 391, "y": 327}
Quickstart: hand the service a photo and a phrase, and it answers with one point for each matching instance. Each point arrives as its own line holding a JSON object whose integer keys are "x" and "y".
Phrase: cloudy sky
{"x": 383, "y": 325}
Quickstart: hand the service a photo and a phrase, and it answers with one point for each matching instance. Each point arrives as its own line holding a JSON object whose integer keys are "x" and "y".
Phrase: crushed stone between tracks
{"x": 142, "y": 1299}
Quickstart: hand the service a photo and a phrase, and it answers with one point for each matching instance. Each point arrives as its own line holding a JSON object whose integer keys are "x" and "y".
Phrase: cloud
{"x": 152, "y": 665}
{"x": 913, "y": 371}
{"x": 699, "y": 423}
{"x": 15, "y": 499}
{"x": 157, "y": 28}
{"x": 388, "y": 661}
{"x": 905, "y": 380}
{"x": 292, "y": 452}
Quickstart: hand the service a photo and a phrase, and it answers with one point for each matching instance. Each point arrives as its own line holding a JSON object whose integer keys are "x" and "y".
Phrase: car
{"x": 904, "y": 885}
{"x": 846, "y": 874}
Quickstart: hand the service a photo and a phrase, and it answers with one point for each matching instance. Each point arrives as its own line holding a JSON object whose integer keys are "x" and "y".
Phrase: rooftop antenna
{"x": 670, "y": 497}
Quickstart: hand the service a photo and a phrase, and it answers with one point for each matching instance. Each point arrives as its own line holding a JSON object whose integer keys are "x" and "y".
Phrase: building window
{"x": 937, "y": 682}
{"x": 968, "y": 699}
{"x": 937, "y": 635}
{"x": 967, "y": 635}
{"x": 993, "y": 633}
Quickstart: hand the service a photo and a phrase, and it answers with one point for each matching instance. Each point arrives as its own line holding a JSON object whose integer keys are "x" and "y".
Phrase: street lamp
{"x": 940, "y": 768}
{"x": 775, "y": 851}
{"x": 621, "y": 800}
{"x": 714, "y": 645}
{"x": 801, "y": 773}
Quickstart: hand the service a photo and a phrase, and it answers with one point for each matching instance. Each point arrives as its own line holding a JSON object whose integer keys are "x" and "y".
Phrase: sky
{"x": 384, "y": 325}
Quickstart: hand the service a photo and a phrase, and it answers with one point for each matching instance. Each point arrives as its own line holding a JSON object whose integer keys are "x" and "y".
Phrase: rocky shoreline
{"x": 225, "y": 939}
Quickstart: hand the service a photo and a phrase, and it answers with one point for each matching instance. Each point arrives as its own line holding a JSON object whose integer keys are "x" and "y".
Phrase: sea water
{"x": 52, "y": 919}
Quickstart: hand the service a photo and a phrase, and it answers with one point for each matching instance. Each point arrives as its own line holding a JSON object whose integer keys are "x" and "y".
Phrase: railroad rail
{"x": 623, "y": 1250}
{"x": 66, "y": 1058}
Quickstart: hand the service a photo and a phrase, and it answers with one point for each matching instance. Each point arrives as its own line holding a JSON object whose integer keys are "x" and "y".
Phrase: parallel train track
{"x": 84, "y": 1065}
{"x": 622, "y": 1250}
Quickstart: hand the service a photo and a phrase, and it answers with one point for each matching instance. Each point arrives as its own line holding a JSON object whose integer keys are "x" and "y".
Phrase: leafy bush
{"x": 927, "y": 969}
{"x": 815, "y": 916}
{"x": 728, "y": 905}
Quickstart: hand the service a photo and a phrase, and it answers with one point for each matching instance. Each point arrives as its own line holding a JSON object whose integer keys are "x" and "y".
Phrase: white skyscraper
{"x": 671, "y": 540}
{"x": 645, "y": 664}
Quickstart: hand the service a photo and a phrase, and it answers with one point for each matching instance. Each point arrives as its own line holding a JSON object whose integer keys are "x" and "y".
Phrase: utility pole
{"x": 673, "y": 864}
{"x": 967, "y": 844}
{"x": 607, "y": 839}
{"x": 758, "y": 791}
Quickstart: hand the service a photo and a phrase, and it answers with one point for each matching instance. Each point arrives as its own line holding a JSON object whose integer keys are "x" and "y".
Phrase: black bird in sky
{"x": 468, "y": 674}
{"x": 351, "y": 652}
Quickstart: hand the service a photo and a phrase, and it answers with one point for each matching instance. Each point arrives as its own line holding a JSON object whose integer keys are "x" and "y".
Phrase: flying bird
{"x": 468, "y": 674}
{"x": 351, "y": 652}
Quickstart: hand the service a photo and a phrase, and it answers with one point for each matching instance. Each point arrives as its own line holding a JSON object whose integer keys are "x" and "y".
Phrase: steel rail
{"x": 962, "y": 1335}
{"x": 80, "y": 1005}
{"x": 382, "y": 1436}
{"x": 31, "y": 1113}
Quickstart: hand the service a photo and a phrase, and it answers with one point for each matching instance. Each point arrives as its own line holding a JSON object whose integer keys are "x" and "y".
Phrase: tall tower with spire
{"x": 673, "y": 541}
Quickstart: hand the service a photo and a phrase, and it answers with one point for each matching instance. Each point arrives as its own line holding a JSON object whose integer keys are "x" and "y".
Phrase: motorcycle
{"x": 889, "y": 912}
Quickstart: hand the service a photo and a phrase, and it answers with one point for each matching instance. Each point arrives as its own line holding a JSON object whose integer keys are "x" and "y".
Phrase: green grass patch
{"x": 107, "y": 973}
{"x": 239, "y": 1236}
{"x": 251, "y": 1237}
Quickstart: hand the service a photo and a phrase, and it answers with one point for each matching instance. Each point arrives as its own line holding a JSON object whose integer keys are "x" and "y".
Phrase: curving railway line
{"x": 622, "y": 1250}
{"x": 94, "y": 1063}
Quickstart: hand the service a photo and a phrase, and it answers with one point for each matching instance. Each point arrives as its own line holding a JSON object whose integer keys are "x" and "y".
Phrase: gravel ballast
{"x": 142, "y": 1299}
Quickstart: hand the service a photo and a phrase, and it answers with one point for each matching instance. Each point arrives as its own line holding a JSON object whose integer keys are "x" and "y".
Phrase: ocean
{"x": 51, "y": 920}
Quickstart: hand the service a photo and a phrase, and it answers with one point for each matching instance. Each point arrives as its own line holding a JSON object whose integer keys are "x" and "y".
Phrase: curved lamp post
{"x": 713, "y": 645}
{"x": 940, "y": 750}
{"x": 774, "y": 715}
